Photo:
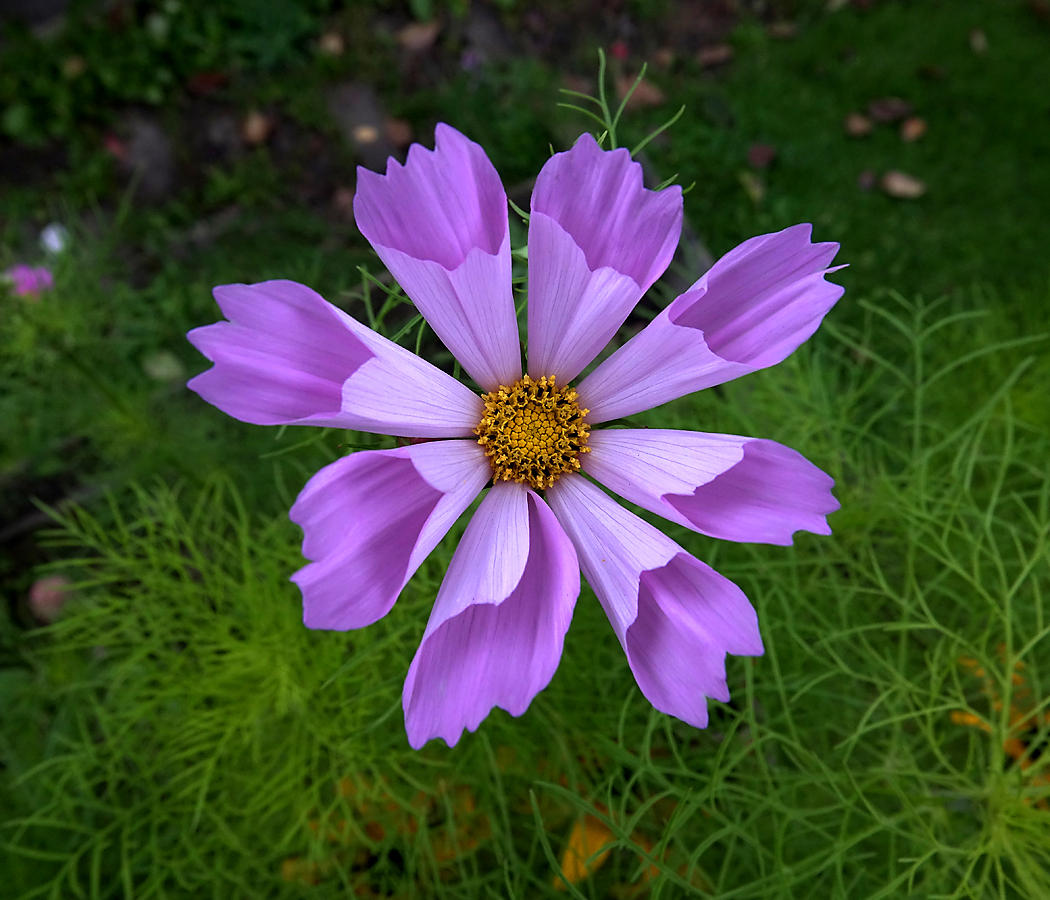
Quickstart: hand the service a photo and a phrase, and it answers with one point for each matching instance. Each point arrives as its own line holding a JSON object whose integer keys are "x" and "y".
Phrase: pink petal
{"x": 660, "y": 363}
{"x": 496, "y": 632}
{"x": 287, "y": 356}
{"x": 28, "y": 281}
{"x": 689, "y": 618}
{"x": 768, "y": 496}
{"x": 598, "y": 197}
{"x": 614, "y": 545}
{"x": 281, "y": 358}
{"x": 399, "y": 393}
{"x": 676, "y": 618}
{"x": 749, "y": 311}
{"x": 439, "y": 223}
{"x": 597, "y": 241}
{"x": 764, "y": 298}
{"x": 573, "y": 311}
{"x": 371, "y": 518}
{"x": 734, "y": 488}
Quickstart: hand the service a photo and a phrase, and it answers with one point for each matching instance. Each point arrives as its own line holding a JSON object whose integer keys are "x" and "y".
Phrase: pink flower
{"x": 28, "y": 281}
{"x": 597, "y": 241}
{"x": 48, "y": 596}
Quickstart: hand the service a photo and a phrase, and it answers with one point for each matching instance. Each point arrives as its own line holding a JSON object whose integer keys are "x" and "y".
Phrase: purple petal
{"x": 598, "y": 197}
{"x": 399, "y": 393}
{"x": 689, "y": 617}
{"x": 439, "y": 223}
{"x": 734, "y": 488}
{"x": 660, "y": 363}
{"x": 573, "y": 311}
{"x": 371, "y": 518}
{"x": 676, "y": 618}
{"x": 288, "y": 357}
{"x": 764, "y": 298}
{"x": 749, "y": 311}
{"x": 28, "y": 281}
{"x": 614, "y": 545}
{"x": 591, "y": 214}
{"x": 281, "y": 358}
{"x": 494, "y": 639}
{"x": 768, "y": 496}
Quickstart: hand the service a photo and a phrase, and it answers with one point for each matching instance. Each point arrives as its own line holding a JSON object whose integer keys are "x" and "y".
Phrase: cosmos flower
{"x": 597, "y": 241}
{"x": 28, "y": 281}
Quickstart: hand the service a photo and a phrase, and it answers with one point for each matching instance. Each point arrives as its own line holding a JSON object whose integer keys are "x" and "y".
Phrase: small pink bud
{"x": 48, "y": 595}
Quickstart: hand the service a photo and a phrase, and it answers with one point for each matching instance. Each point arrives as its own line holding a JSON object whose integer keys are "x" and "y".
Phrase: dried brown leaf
{"x": 857, "y": 125}
{"x": 418, "y": 36}
{"x": 645, "y": 96}
{"x": 912, "y": 129}
{"x": 715, "y": 55}
{"x": 901, "y": 185}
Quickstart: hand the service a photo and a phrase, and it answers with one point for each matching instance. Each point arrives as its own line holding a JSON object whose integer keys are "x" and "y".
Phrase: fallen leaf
{"x": 857, "y": 125}
{"x": 902, "y": 186}
{"x": 645, "y": 96}
{"x": 331, "y": 43}
{"x": 715, "y": 55}
{"x": 418, "y": 36}
{"x": 663, "y": 58}
{"x": 74, "y": 67}
{"x": 256, "y": 127}
{"x": 398, "y": 132}
{"x": 782, "y": 31}
{"x": 365, "y": 134}
{"x": 912, "y": 129}
{"x": 584, "y": 854}
{"x": 889, "y": 109}
{"x": 759, "y": 156}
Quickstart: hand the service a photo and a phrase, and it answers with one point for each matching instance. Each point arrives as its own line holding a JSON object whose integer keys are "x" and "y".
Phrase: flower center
{"x": 533, "y": 431}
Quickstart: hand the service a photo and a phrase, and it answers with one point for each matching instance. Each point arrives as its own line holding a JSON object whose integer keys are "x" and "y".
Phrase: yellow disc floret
{"x": 533, "y": 432}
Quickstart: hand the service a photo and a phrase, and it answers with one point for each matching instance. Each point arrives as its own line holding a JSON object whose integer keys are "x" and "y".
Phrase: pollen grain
{"x": 533, "y": 432}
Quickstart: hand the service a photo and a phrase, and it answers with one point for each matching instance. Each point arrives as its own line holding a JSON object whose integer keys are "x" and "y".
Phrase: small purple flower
{"x": 597, "y": 241}
{"x": 28, "y": 281}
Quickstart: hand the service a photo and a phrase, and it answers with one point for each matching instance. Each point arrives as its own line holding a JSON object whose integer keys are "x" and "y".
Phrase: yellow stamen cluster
{"x": 533, "y": 432}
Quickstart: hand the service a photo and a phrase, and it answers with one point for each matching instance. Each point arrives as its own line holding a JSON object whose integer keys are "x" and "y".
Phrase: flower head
{"x": 598, "y": 239}
{"x": 28, "y": 281}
